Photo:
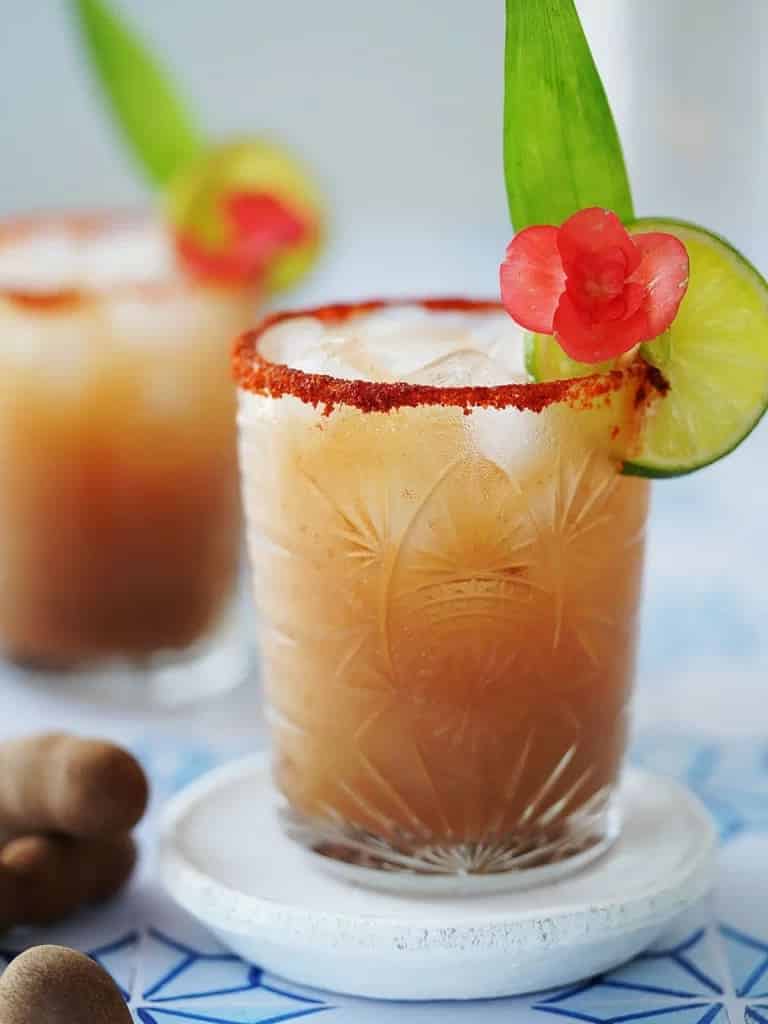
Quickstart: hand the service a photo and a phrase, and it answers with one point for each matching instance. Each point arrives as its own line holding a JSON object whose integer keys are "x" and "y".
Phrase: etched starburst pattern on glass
{"x": 448, "y": 625}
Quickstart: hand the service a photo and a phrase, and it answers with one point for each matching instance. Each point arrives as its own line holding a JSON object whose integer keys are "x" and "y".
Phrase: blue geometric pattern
{"x": 679, "y": 980}
{"x": 190, "y": 984}
{"x": 171, "y": 971}
{"x": 119, "y": 958}
{"x": 748, "y": 962}
{"x": 192, "y": 974}
{"x": 232, "y": 1015}
{"x": 685, "y": 970}
{"x": 731, "y": 779}
{"x": 193, "y": 984}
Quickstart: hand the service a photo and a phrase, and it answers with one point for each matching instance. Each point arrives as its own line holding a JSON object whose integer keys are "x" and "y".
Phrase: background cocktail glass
{"x": 119, "y": 515}
{"x": 449, "y": 579}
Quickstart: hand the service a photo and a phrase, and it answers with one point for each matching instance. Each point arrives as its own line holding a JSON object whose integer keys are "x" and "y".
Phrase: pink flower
{"x": 261, "y": 228}
{"x": 597, "y": 289}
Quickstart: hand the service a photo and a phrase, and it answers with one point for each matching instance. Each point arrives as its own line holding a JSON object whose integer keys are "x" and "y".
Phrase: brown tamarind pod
{"x": 60, "y": 783}
{"x": 46, "y": 878}
{"x": 54, "y": 985}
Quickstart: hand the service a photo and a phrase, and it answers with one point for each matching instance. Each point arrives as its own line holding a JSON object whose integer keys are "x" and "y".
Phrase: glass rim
{"x": 85, "y": 224}
{"x": 255, "y": 373}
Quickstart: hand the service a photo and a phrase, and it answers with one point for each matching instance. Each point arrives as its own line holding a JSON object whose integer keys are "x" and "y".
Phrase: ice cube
{"x": 391, "y": 320}
{"x": 515, "y": 440}
{"x": 132, "y": 254}
{"x": 402, "y": 349}
{"x": 57, "y": 259}
{"x": 502, "y": 340}
{"x": 461, "y": 368}
{"x": 334, "y": 356}
{"x": 294, "y": 342}
{"x": 39, "y": 263}
{"x": 405, "y": 343}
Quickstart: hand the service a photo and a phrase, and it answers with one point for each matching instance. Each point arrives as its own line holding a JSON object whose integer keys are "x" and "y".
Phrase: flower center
{"x": 600, "y": 288}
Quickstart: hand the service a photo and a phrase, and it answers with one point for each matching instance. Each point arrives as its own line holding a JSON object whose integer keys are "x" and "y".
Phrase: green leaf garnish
{"x": 561, "y": 149}
{"x": 154, "y": 120}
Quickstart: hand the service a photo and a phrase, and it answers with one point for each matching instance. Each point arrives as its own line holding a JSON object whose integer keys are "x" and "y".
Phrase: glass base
{"x": 165, "y": 680}
{"x": 511, "y": 863}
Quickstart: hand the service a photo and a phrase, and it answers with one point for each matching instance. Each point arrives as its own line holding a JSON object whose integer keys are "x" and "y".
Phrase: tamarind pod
{"x": 55, "y": 782}
{"x": 55, "y": 985}
{"x": 46, "y": 878}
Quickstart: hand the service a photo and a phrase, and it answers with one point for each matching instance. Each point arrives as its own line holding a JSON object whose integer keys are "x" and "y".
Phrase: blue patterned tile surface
{"x": 711, "y": 969}
{"x": 748, "y": 960}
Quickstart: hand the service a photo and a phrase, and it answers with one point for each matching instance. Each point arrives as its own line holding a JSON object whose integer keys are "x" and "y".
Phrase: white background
{"x": 397, "y": 105}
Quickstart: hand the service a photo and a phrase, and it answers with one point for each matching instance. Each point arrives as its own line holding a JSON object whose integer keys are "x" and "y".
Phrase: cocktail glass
{"x": 449, "y": 572}
{"x": 119, "y": 514}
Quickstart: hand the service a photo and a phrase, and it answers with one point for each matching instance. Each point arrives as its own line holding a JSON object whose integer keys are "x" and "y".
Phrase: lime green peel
{"x": 546, "y": 360}
{"x": 714, "y": 357}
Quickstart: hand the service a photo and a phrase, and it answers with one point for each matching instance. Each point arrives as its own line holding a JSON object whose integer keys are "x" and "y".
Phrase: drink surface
{"x": 405, "y": 343}
{"x": 119, "y": 512}
{"x": 449, "y": 601}
{"x": 49, "y": 257}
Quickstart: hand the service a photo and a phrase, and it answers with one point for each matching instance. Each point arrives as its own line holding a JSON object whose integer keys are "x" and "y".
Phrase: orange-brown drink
{"x": 448, "y": 564}
{"x": 119, "y": 522}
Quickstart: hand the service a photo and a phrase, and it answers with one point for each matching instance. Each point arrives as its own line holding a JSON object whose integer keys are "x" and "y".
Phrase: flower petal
{"x": 532, "y": 278}
{"x": 261, "y": 215}
{"x": 663, "y": 272}
{"x": 634, "y": 296}
{"x": 262, "y": 227}
{"x": 590, "y": 342}
{"x": 623, "y": 306}
{"x": 219, "y": 267}
{"x": 592, "y": 233}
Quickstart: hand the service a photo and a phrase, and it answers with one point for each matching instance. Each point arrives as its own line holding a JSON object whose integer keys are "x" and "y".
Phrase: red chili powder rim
{"x": 254, "y": 372}
{"x": 85, "y": 225}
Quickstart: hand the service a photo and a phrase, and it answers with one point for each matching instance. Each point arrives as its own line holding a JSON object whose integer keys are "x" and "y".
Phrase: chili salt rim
{"x": 255, "y": 373}
{"x": 85, "y": 225}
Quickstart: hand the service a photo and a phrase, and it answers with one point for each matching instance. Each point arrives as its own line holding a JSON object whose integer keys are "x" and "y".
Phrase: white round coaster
{"x": 226, "y": 861}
